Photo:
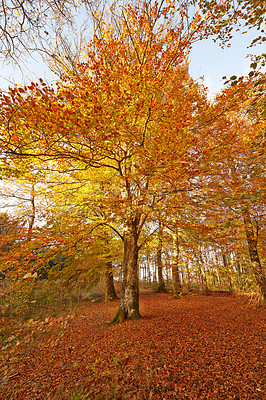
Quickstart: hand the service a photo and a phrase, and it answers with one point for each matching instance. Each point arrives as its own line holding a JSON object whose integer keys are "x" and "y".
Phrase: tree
{"x": 159, "y": 264}
{"x": 25, "y": 25}
{"x": 238, "y": 177}
{"x": 9, "y": 232}
{"x": 227, "y": 15}
{"x": 242, "y": 15}
{"x": 124, "y": 113}
{"x": 177, "y": 288}
{"x": 110, "y": 293}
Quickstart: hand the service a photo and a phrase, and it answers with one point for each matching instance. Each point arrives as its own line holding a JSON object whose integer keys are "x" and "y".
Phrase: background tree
{"x": 238, "y": 176}
{"x": 159, "y": 262}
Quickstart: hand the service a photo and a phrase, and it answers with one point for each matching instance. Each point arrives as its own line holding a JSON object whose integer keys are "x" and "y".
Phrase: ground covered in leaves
{"x": 197, "y": 347}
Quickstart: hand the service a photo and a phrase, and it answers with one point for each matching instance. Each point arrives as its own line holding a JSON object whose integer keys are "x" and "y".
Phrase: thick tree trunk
{"x": 129, "y": 306}
{"x": 253, "y": 252}
{"x": 161, "y": 286}
{"x": 110, "y": 293}
{"x": 177, "y": 287}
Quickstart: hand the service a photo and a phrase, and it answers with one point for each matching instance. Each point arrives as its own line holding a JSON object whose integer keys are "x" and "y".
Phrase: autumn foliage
{"x": 127, "y": 147}
{"x": 120, "y": 180}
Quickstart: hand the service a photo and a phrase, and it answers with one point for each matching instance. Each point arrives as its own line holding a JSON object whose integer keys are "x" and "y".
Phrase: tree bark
{"x": 110, "y": 293}
{"x": 216, "y": 268}
{"x": 33, "y": 212}
{"x": 228, "y": 272}
{"x": 188, "y": 275}
{"x": 161, "y": 286}
{"x": 239, "y": 271}
{"x": 177, "y": 287}
{"x": 204, "y": 283}
{"x": 253, "y": 252}
{"x": 129, "y": 302}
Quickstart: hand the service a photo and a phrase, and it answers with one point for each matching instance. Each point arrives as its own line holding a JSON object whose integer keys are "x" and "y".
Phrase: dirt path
{"x": 194, "y": 348}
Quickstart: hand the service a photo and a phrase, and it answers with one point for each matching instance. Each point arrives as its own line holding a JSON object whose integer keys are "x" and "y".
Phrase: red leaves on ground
{"x": 194, "y": 348}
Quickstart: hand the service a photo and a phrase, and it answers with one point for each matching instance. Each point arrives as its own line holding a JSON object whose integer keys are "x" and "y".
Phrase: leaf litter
{"x": 197, "y": 347}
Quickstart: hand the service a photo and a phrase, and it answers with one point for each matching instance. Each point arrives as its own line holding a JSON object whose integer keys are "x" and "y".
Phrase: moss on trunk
{"x": 129, "y": 302}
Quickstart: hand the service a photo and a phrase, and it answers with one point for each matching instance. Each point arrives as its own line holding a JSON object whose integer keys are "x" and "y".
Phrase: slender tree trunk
{"x": 204, "y": 283}
{"x": 148, "y": 271}
{"x": 188, "y": 276}
{"x": 239, "y": 271}
{"x": 177, "y": 287}
{"x": 228, "y": 272}
{"x": 33, "y": 211}
{"x": 167, "y": 271}
{"x": 110, "y": 293}
{"x": 145, "y": 272}
{"x": 161, "y": 287}
{"x": 253, "y": 252}
{"x": 216, "y": 268}
{"x": 129, "y": 305}
{"x": 154, "y": 274}
{"x": 183, "y": 282}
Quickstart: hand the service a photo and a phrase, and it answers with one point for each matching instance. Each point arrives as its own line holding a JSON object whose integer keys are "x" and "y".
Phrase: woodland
{"x": 132, "y": 207}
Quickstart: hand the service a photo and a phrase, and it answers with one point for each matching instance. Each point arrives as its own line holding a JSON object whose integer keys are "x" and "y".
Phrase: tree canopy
{"x": 126, "y": 145}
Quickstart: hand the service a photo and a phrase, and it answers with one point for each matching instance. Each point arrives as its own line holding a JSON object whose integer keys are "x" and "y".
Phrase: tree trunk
{"x": 161, "y": 286}
{"x": 129, "y": 305}
{"x": 33, "y": 211}
{"x": 110, "y": 293}
{"x": 239, "y": 271}
{"x": 216, "y": 268}
{"x": 228, "y": 272}
{"x": 177, "y": 287}
{"x": 253, "y": 252}
{"x": 204, "y": 283}
{"x": 188, "y": 275}
{"x": 148, "y": 271}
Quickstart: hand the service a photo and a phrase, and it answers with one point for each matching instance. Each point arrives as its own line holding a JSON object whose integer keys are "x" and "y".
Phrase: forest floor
{"x": 197, "y": 347}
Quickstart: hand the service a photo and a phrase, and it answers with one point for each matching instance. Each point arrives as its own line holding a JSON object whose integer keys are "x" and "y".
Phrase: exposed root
{"x": 135, "y": 316}
{"x": 119, "y": 317}
{"x": 122, "y": 315}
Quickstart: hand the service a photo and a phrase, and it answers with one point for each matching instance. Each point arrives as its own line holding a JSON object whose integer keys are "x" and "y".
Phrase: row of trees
{"x": 126, "y": 146}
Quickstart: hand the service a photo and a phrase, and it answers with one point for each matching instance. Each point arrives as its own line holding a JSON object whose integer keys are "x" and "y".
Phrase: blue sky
{"x": 207, "y": 59}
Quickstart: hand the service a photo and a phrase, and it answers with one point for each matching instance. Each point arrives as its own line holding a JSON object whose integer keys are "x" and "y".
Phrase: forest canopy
{"x": 123, "y": 168}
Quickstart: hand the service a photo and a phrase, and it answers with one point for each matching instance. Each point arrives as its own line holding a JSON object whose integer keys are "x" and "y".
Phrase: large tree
{"x": 237, "y": 180}
{"x": 132, "y": 110}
